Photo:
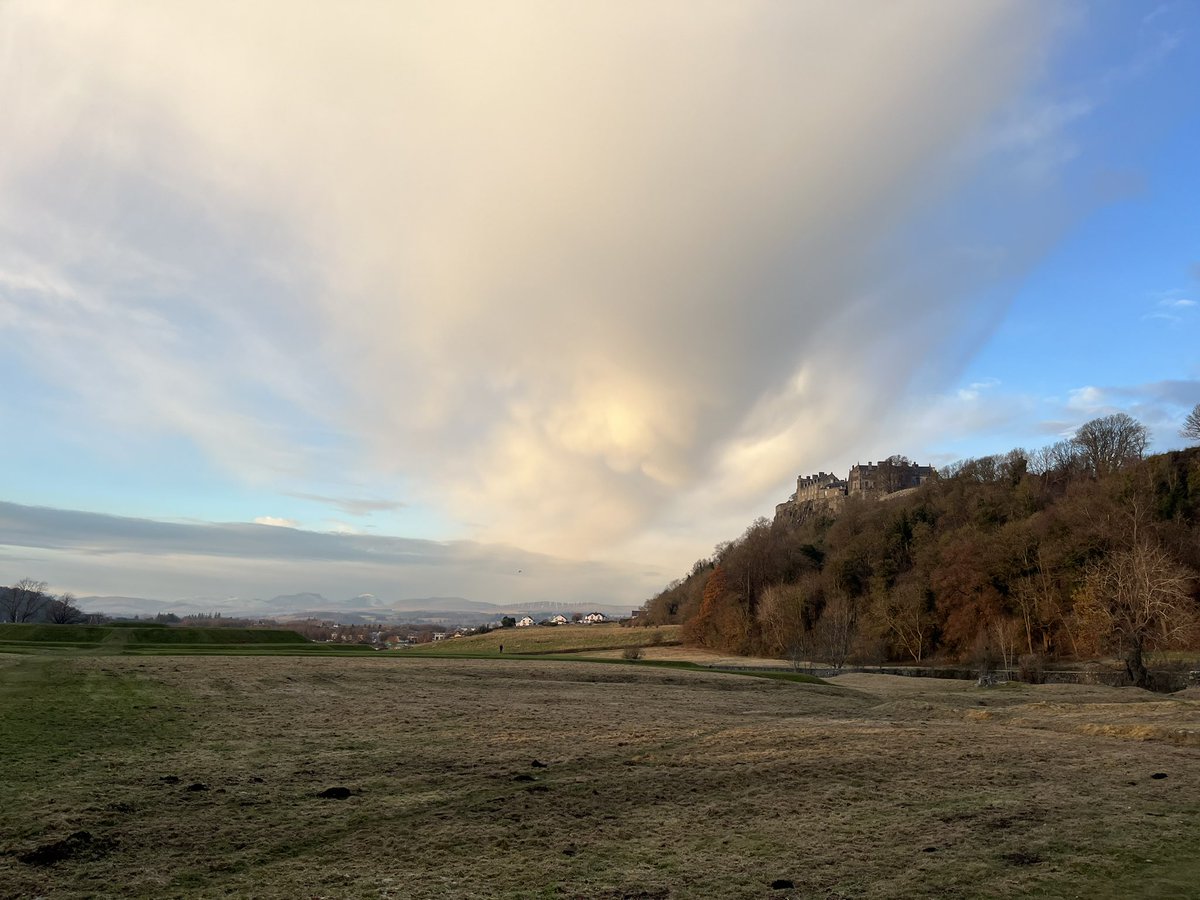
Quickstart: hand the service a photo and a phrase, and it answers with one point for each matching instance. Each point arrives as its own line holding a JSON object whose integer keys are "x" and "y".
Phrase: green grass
{"x": 214, "y": 636}
{"x": 55, "y": 718}
{"x": 127, "y": 638}
{"x": 282, "y": 649}
{"x": 75, "y": 634}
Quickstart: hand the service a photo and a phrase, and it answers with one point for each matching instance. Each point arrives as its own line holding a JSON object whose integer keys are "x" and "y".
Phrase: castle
{"x": 896, "y": 473}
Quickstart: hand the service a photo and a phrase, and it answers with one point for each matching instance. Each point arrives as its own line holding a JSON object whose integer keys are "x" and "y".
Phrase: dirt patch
{"x": 78, "y": 845}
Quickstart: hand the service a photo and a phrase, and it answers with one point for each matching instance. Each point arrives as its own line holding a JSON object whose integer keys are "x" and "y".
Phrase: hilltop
{"x": 1007, "y": 560}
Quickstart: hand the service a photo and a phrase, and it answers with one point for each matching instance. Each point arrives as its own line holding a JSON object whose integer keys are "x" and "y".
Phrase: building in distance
{"x": 824, "y": 490}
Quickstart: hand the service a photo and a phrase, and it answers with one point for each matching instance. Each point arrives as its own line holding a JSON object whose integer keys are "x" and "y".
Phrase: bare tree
{"x": 784, "y": 616}
{"x": 837, "y": 628}
{"x": 1111, "y": 442}
{"x": 1062, "y": 458}
{"x": 905, "y": 615}
{"x": 1004, "y": 634}
{"x": 25, "y": 601}
{"x": 1138, "y": 599}
{"x": 891, "y": 473}
{"x": 1191, "y": 425}
{"x": 63, "y": 611}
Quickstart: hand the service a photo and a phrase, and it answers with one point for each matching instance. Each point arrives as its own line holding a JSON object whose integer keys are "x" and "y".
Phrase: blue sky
{"x": 587, "y": 285}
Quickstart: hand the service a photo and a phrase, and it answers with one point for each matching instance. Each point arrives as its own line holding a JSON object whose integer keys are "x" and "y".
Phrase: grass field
{"x": 559, "y": 639}
{"x": 129, "y": 639}
{"x": 194, "y": 776}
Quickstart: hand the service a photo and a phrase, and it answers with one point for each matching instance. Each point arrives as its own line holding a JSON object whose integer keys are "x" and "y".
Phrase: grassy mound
{"x": 214, "y": 636}
{"x": 54, "y": 634}
{"x": 16, "y": 637}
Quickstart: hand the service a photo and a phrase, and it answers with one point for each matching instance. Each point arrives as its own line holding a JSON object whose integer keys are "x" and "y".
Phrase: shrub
{"x": 631, "y": 653}
{"x": 1030, "y": 668}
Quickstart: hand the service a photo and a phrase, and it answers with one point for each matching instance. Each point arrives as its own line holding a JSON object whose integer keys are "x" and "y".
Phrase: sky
{"x": 540, "y": 301}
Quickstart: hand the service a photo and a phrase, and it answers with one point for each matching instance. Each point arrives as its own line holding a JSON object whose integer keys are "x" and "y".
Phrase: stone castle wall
{"x": 825, "y": 491}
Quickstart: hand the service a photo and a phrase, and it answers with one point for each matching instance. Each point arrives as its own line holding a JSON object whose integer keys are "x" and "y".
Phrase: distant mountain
{"x": 449, "y": 604}
{"x": 145, "y": 606}
{"x": 298, "y": 601}
{"x": 363, "y": 609}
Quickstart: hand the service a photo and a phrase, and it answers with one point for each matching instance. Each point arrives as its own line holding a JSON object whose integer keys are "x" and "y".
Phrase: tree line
{"x": 29, "y": 601}
{"x": 1076, "y": 550}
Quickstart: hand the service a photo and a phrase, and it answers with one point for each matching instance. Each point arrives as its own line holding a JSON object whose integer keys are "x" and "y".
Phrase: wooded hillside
{"x": 1068, "y": 552}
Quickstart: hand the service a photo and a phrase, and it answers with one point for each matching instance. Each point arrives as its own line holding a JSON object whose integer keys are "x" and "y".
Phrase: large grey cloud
{"x": 95, "y": 553}
{"x": 586, "y": 274}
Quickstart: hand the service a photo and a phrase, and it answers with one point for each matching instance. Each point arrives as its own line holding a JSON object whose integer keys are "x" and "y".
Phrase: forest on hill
{"x": 1078, "y": 550}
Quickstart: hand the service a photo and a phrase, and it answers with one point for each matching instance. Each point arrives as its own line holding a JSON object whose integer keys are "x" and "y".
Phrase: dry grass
{"x": 556, "y": 639}
{"x": 497, "y": 778}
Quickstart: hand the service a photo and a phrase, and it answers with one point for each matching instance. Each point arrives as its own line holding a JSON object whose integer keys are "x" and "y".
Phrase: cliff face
{"x": 794, "y": 512}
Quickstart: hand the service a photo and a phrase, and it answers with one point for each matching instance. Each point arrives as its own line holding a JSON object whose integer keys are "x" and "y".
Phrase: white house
{"x": 560, "y": 619}
{"x": 525, "y": 622}
{"x": 595, "y": 617}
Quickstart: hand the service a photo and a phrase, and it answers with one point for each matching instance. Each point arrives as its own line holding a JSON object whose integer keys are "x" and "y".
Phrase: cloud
{"x": 972, "y": 392}
{"x": 1089, "y": 399}
{"x": 1038, "y": 135}
{"x": 1171, "y": 306}
{"x": 95, "y": 553}
{"x": 1159, "y": 405}
{"x": 580, "y": 274}
{"x": 353, "y": 506}
{"x": 275, "y": 522}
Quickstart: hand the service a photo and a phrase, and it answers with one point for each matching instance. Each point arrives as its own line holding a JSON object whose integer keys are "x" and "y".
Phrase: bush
{"x": 1030, "y": 668}
{"x": 631, "y": 653}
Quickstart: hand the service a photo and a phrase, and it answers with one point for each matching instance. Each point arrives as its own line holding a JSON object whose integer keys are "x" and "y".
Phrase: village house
{"x": 525, "y": 622}
{"x": 593, "y": 618}
{"x": 559, "y": 619}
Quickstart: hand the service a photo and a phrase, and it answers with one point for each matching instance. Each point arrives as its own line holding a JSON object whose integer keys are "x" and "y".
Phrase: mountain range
{"x": 362, "y": 609}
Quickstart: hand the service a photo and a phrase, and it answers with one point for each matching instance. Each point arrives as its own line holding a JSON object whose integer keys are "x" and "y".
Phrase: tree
{"x": 1111, "y": 442}
{"x": 25, "y": 601}
{"x": 1136, "y": 600}
{"x": 63, "y": 611}
{"x": 785, "y": 617}
{"x": 508, "y": 622}
{"x": 836, "y": 629}
{"x": 1191, "y": 425}
{"x": 904, "y": 612}
{"x": 892, "y": 473}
